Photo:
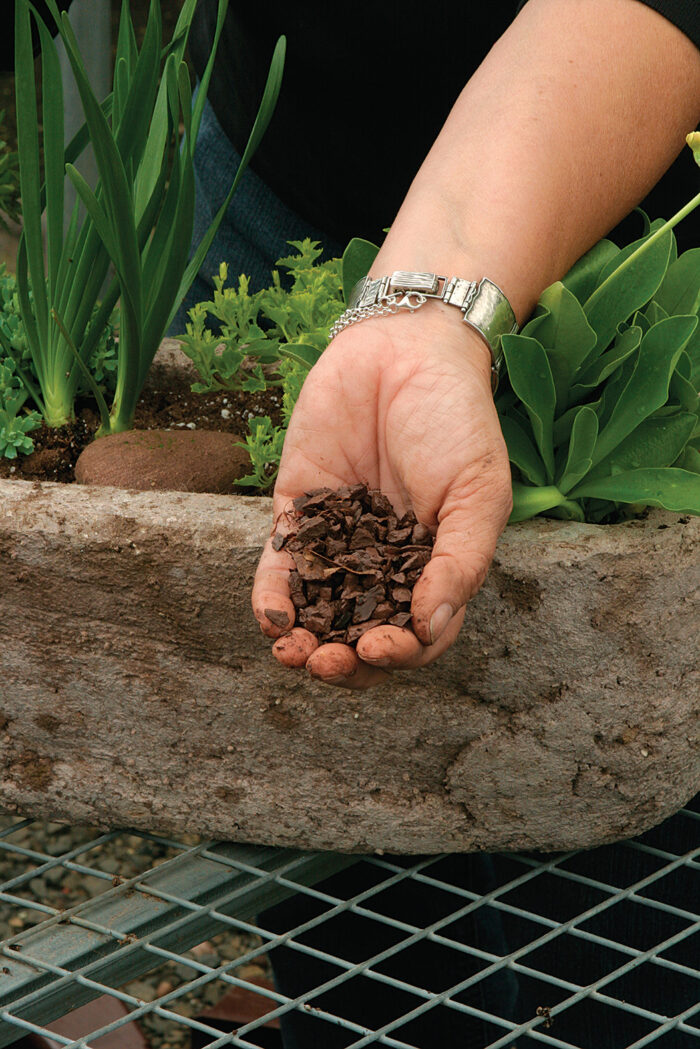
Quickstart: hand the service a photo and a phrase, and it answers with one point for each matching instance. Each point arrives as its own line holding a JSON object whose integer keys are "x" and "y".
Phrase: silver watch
{"x": 484, "y": 306}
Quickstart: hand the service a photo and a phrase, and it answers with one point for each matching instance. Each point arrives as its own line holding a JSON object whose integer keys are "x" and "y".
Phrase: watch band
{"x": 484, "y": 306}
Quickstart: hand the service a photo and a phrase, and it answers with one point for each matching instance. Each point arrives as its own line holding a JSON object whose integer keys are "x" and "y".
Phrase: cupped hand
{"x": 404, "y": 404}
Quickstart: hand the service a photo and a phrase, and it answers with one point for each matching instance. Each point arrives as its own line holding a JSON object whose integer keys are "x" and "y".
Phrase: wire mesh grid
{"x": 587, "y": 950}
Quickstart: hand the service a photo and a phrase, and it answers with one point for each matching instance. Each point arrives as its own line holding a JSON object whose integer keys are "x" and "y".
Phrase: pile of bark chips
{"x": 356, "y": 561}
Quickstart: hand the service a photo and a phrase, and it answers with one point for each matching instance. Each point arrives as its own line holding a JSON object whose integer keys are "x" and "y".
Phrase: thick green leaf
{"x": 680, "y": 290}
{"x": 681, "y": 388}
{"x": 626, "y": 288}
{"x": 531, "y": 377}
{"x": 302, "y": 353}
{"x": 658, "y": 441}
{"x": 689, "y": 460}
{"x": 522, "y": 452}
{"x": 583, "y": 437}
{"x": 583, "y": 275}
{"x": 603, "y": 367}
{"x": 530, "y": 500}
{"x": 565, "y": 334}
{"x": 668, "y": 487}
{"x": 655, "y": 313}
{"x": 357, "y": 260}
{"x": 647, "y": 388}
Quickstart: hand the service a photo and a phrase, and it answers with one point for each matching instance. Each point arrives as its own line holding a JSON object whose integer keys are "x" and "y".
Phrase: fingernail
{"x": 439, "y": 620}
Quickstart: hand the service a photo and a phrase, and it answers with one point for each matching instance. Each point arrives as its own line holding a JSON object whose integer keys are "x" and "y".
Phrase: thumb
{"x": 465, "y": 543}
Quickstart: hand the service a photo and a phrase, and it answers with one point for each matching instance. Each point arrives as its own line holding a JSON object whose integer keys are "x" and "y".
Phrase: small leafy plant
{"x": 139, "y": 218}
{"x": 267, "y": 339}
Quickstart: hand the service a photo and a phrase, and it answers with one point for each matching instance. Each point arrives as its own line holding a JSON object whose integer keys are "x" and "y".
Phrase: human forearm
{"x": 573, "y": 116}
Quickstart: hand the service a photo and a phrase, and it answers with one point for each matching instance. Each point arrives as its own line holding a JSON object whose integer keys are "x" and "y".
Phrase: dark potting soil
{"x": 356, "y": 562}
{"x": 56, "y": 450}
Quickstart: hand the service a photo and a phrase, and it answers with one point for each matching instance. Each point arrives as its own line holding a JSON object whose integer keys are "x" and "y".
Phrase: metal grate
{"x": 588, "y": 950}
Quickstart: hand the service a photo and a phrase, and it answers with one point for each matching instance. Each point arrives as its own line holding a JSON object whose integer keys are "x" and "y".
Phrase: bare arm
{"x": 573, "y": 116}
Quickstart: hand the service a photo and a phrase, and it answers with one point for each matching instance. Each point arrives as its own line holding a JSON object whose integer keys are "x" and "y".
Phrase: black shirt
{"x": 366, "y": 89}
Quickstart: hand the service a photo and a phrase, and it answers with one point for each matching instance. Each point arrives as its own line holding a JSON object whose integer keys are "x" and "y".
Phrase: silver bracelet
{"x": 484, "y": 306}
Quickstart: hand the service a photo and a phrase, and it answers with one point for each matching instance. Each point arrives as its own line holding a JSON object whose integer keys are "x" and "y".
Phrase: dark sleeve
{"x": 683, "y": 13}
{"x": 7, "y": 38}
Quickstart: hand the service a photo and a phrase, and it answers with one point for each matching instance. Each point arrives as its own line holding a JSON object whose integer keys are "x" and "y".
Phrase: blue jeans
{"x": 254, "y": 231}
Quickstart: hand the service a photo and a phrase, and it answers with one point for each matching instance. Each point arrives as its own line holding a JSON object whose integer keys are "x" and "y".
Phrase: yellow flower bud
{"x": 693, "y": 140}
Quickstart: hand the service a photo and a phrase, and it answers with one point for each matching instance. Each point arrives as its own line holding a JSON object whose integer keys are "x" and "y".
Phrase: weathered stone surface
{"x": 165, "y": 460}
{"x": 136, "y": 688}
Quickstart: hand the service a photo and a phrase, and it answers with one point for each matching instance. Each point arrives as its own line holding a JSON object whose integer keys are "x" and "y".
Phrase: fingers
{"x": 469, "y": 526}
{"x": 272, "y": 605}
{"x": 395, "y": 648}
{"x": 340, "y": 665}
{"x": 293, "y": 649}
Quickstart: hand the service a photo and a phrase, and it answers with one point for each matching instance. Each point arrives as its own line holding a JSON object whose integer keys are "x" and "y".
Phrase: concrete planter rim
{"x": 565, "y": 716}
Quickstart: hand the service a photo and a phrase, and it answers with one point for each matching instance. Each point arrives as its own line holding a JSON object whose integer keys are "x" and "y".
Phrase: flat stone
{"x": 566, "y": 714}
{"x": 164, "y": 460}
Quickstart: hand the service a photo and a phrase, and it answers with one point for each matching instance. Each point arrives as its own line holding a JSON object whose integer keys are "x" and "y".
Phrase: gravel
{"x": 126, "y": 856}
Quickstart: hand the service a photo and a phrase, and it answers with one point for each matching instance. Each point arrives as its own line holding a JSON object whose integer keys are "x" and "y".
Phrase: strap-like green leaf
{"x": 357, "y": 261}
{"x": 583, "y": 437}
{"x": 206, "y": 75}
{"x": 522, "y": 452}
{"x": 669, "y": 487}
{"x": 531, "y": 377}
{"x": 647, "y": 388}
{"x": 680, "y": 289}
{"x": 264, "y": 115}
{"x": 30, "y": 183}
{"x": 53, "y": 136}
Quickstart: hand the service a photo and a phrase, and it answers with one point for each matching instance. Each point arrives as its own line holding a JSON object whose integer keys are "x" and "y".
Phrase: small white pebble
{"x": 225, "y": 400}
{"x": 356, "y": 716}
{"x": 12, "y": 469}
{"x": 191, "y": 426}
{"x": 225, "y": 413}
{"x": 645, "y": 753}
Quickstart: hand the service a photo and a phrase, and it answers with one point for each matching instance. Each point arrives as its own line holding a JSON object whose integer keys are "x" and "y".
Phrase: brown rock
{"x": 165, "y": 460}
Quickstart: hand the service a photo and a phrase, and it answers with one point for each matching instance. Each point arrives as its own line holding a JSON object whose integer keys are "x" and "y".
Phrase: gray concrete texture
{"x": 137, "y": 690}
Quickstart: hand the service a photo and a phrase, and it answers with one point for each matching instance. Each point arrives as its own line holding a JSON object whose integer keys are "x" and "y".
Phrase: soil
{"x": 56, "y": 450}
{"x": 356, "y": 562}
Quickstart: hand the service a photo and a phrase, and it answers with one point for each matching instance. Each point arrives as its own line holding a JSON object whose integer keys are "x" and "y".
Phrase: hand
{"x": 404, "y": 404}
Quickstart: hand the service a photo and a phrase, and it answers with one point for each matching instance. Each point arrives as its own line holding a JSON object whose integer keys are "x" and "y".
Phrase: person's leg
{"x": 254, "y": 231}
{"x": 435, "y": 967}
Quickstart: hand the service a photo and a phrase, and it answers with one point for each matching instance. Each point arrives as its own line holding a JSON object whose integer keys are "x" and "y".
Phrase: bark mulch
{"x": 356, "y": 562}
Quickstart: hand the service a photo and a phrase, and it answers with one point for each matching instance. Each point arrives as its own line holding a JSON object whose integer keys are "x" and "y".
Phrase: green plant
{"x": 139, "y": 217}
{"x": 9, "y": 183}
{"x": 601, "y": 415}
{"x": 269, "y": 338}
{"x": 18, "y": 366}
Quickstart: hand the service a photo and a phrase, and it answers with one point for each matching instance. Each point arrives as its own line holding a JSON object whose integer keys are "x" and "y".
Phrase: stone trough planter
{"x": 136, "y": 688}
